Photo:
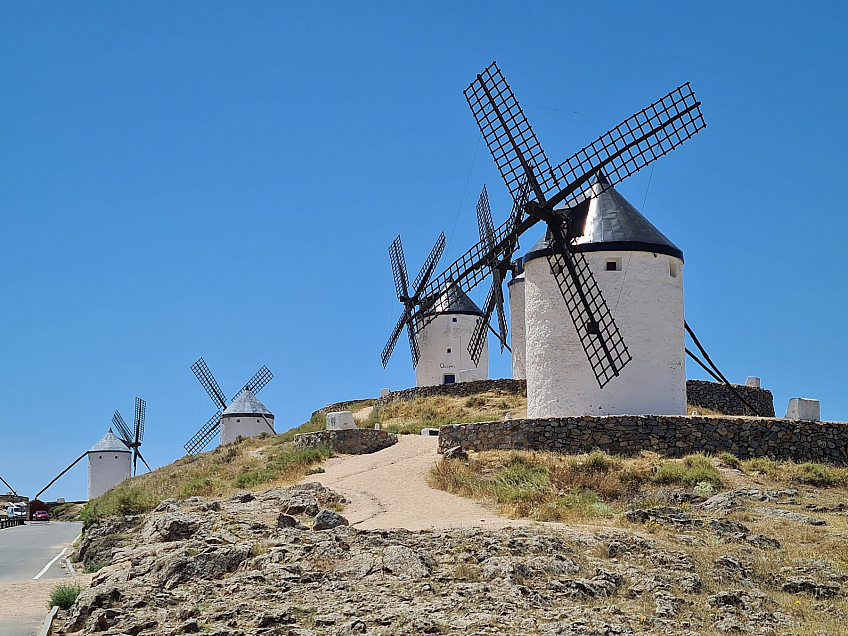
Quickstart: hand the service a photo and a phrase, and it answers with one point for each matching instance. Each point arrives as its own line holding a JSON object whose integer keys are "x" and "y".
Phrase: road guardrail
{"x": 8, "y": 523}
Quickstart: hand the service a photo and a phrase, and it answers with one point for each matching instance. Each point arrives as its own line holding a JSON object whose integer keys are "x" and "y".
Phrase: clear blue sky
{"x": 223, "y": 180}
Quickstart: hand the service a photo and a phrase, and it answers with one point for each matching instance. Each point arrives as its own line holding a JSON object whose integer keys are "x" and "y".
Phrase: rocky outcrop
{"x": 286, "y": 562}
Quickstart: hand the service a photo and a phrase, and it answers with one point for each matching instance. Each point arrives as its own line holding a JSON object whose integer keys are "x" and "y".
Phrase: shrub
{"x": 704, "y": 489}
{"x": 64, "y": 595}
{"x": 599, "y": 462}
{"x": 691, "y": 471}
{"x": 818, "y": 475}
{"x": 284, "y": 458}
{"x": 729, "y": 459}
{"x": 759, "y": 465}
{"x": 94, "y": 566}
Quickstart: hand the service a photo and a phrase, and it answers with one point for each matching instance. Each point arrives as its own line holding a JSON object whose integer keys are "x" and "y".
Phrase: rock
{"x": 455, "y": 452}
{"x": 169, "y": 505}
{"x": 287, "y": 521}
{"x": 191, "y": 626}
{"x": 243, "y": 497}
{"x": 808, "y": 585}
{"x": 327, "y": 519}
{"x": 171, "y": 526}
{"x": 666, "y": 605}
{"x": 791, "y": 516}
{"x": 301, "y": 504}
{"x": 399, "y": 560}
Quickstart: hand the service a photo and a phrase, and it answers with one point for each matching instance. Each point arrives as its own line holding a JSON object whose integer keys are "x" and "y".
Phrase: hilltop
{"x": 589, "y": 544}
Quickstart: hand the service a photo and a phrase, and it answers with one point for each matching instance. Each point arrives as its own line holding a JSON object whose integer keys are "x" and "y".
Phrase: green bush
{"x": 693, "y": 470}
{"x": 64, "y": 595}
{"x": 521, "y": 480}
{"x": 599, "y": 462}
{"x": 729, "y": 459}
{"x": 704, "y": 489}
{"x": 284, "y": 457}
{"x": 759, "y": 465}
{"x": 818, "y": 475}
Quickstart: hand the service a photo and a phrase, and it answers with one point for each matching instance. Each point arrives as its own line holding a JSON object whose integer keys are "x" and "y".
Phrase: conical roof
{"x": 455, "y": 301}
{"x": 613, "y": 224}
{"x": 110, "y": 443}
{"x": 247, "y": 404}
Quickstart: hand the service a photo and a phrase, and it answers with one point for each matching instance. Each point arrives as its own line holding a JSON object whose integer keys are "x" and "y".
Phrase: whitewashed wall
{"x": 435, "y": 361}
{"x": 107, "y": 469}
{"x": 517, "y": 331}
{"x": 247, "y": 426}
{"x": 647, "y": 303}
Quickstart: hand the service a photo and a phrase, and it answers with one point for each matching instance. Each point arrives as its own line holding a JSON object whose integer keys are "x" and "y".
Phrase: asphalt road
{"x": 25, "y": 552}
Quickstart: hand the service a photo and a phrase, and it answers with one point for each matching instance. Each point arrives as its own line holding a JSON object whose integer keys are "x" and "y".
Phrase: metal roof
{"x": 613, "y": 224}
{"x": 455, "y": 301}
{"x": 247, "y": 404}
{"x": 109, "y": 444}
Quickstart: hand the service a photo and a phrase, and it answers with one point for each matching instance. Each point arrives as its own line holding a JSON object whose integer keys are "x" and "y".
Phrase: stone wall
{"x": 339, "y": 406}
{"x": 460, "y": 389}
{"x": 717, "y": 397}
{"x": 671, "y": 435}
{"x": 358, "y": 441}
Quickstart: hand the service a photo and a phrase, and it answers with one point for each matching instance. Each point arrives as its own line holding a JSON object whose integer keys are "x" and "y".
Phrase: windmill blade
{"x": 259, "y": 380}
{"x": 508, "y": 134}
{"x": 596, "y": 328}
{"x": 485, "y": 226}
{"x": 390, "y": 345}
{"x": 140, "y": 408}
{"x": 135, "y": 462}
{"x": 141, "y": 457}
{"x": 205, "y": 435}
{"x": 414, "y": 352}
{"x": 499, "y": 305}
{"x": 429, "y": 265}
{"x": 399, "y": 269}
{"x": 205, "y": 377}
{"x": 481, "y": 329}
{"x": 633, "y": 144}
{"x": 122, "y": 427}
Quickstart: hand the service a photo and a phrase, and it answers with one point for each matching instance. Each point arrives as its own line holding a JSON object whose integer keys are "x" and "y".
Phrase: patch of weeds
{"x": 94, "y": 566}
{"x": 283, "y": 459}
{"x": 689, "y": 472}
{"x": 729, "y": 459}
{"x": 760, "y": 466}
{"x": 704, "y": 489}
{"x": 259, "y": 548}
{"x": 818, "y": 475}
{"x": 64, "y": 595}
{"x": 467, "y": 572}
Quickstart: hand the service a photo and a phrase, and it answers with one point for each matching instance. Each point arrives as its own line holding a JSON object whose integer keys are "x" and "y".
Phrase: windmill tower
{"x": 245, "y": 417}
{"x": 561, "y": 198}
{"x": 445, "y": 338}
{"x": 109, "y": 463}
{"x": 250, "y": 406}
{"x": 516, "y": 319}
{"x": 640, "y": 274}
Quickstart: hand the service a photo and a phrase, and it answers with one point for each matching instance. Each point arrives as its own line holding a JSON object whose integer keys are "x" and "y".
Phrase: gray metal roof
{"x": 613, "y": 224}
{"x": 247, "y": 404}
{"x": 109, "y": 444}
{"x": 455, "y": 301}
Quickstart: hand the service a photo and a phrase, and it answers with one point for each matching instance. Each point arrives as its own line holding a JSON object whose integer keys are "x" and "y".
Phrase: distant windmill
{"x": 209, "y": 430}
{"x": 133, "y": 438}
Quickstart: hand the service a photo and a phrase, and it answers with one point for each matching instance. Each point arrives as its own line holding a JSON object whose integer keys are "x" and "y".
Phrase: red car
{"x": 40, "y": 515}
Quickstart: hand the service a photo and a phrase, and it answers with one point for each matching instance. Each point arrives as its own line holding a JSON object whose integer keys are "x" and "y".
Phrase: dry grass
{"x": 264, "y": 460}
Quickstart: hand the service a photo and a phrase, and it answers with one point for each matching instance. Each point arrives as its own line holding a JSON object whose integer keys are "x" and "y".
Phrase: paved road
{"x": 24, "y": 553}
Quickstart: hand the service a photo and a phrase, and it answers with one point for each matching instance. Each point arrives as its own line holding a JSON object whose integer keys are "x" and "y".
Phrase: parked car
{"x": 40, "y": 515}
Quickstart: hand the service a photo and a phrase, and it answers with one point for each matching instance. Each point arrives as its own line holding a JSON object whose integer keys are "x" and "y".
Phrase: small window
{"x": 672, "y": 269}
{"x": 453, "y": 319}
{"x": 449, "y": 350}
{"x": 100, "y": 457}
{"x": 116, "y": 457}
{"x": 613, "y": 264}
{"x": 449, "y": 379}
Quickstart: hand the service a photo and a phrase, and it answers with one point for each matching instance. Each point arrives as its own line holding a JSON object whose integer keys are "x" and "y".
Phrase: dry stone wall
{"x": 671, "y": 435}
{"x": 359, "y": 441}
{"x": 718, "y": 397}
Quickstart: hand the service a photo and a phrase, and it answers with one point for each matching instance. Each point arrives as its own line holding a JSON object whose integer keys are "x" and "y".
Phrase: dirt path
{"x": 389, "y": 489}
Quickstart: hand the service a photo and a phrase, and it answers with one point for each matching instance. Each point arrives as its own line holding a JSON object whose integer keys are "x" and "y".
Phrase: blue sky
{"x": 223, "y": 180}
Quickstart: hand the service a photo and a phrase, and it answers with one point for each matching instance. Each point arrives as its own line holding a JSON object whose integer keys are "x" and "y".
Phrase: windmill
{"x": 409, "y": 300}
{"x": 559, "y": 196}
{"x": 133, "y": 438}
{"x": 209, "y": 430}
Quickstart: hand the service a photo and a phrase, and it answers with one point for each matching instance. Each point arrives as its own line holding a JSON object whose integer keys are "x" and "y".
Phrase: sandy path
{"x": 388, "y": 489}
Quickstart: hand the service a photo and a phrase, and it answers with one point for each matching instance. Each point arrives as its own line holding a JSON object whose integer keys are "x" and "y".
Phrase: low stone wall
{"x": 671, "y": 435}
{"x": 358, "y": 441}
{"x": 459, "y": 389}
{"x": 718, "y": 397}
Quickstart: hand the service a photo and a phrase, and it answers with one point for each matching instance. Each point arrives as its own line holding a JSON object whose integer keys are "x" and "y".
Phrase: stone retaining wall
{"x": 718, "y": 397}
{"x": 671, "y": 435}
{"x": 358, "y": 441}
{"x": 459, "y": 389}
